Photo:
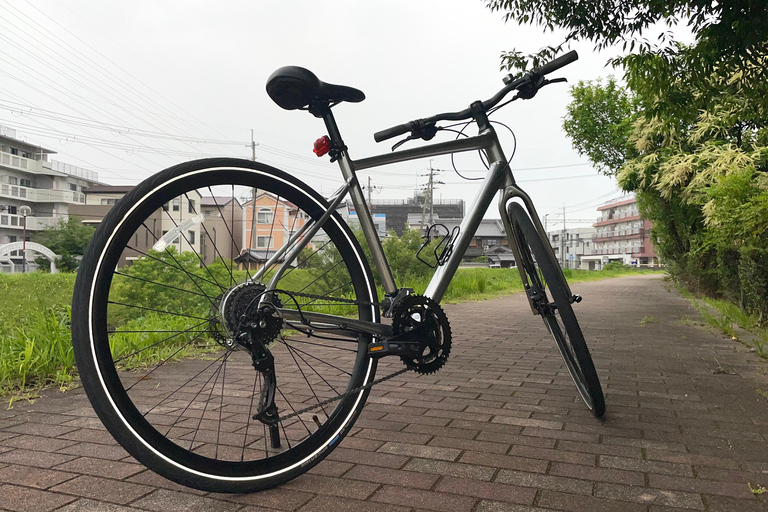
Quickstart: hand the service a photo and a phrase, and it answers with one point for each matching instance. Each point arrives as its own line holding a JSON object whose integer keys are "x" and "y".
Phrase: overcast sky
{"x": 130, "y": 88}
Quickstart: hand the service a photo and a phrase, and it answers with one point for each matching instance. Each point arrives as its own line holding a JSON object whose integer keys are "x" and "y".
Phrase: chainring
{"x": 418, "y": 311}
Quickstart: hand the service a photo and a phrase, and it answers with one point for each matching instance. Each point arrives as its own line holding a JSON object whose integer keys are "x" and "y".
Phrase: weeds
{"x": 648, "y": 320}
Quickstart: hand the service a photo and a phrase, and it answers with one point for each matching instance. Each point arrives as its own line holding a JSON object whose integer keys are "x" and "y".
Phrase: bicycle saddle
{"x": 292, "y": 88}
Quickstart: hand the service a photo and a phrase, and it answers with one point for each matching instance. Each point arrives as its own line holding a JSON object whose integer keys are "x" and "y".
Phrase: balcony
{"x": 607, "y": 222}
{"x": 619, "y": 234}
{"x": 8, "y": 220}
{"x": 44, "y": 167}
{"x": 41, "y": 195}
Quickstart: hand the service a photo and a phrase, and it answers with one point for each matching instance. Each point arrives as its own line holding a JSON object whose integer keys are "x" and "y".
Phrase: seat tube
{"x": 361, "y": 207}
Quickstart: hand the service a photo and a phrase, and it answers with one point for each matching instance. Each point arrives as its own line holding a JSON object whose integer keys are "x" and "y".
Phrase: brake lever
{"x": 423, "y": 131}
{"x": 530, "y": 89}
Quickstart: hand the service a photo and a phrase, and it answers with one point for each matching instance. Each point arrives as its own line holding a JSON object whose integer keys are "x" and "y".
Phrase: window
{"x": 176, "y": 204}
{"x": 263, "y": 242}
{"x": 13, "y": 210}
{"x": 109, "y": 201}
{"x": 73, "y": 187}
{"x": 11, "y": 239}
{"x": 25, "y": 183}
{"x": 191, "y": 206}
{"x": 265, "y": 216}
{"x": 191, "y": 237}
{"x": 13, "y": 180}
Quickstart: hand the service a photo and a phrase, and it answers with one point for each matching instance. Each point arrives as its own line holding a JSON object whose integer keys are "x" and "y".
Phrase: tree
{"x": 67, "y": 239}
{"x": 730, "y": 43}
{"x": 599, "y": 122}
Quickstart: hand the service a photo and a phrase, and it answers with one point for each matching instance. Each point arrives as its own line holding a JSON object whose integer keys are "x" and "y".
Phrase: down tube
{"x": 443, "y": 275}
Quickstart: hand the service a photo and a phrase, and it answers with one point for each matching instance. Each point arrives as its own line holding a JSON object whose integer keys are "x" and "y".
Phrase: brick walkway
{"x": 498, "y": 429}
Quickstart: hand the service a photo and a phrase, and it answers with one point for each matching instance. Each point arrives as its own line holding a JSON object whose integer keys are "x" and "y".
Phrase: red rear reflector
{"x": 322, "y": 146}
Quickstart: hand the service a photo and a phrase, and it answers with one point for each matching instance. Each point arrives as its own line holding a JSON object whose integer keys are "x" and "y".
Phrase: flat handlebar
{"x": 531, "y": 77}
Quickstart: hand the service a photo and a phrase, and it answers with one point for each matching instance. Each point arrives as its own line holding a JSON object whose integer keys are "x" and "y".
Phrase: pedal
{"x": 575, "y": 298}
{"x": 393, "y": 348}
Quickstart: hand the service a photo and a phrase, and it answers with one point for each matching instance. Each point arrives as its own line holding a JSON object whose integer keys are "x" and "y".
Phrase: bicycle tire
{"x": 545, "y": 273}
{"x": 197, "y": 432}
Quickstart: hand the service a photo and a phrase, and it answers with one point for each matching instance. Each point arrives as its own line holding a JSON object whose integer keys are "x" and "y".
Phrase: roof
{"x": 217, "y": 200}
{"x": 109, "y": 189}
{"x": 487, "y": 228}
{"x": 617, "y": 202}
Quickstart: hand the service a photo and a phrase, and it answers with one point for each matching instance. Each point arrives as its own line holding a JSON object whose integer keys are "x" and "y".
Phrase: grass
{"x": 36, "y": 347}
{"x": 724, "y": 316}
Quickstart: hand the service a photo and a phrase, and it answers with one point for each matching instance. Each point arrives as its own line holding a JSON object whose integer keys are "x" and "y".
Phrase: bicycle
{"x": 273, "y": 364}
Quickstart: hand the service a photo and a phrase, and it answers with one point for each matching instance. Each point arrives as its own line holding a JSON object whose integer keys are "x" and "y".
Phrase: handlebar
{"x": 532, "y": 77}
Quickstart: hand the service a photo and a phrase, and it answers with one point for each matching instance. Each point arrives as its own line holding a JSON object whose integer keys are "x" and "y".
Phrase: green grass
{"x": 724, "y": 315}
{"x": 35, "y": 341}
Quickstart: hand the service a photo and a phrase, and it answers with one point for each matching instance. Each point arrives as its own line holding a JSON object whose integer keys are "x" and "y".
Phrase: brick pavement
{"x": 498, "y": 429}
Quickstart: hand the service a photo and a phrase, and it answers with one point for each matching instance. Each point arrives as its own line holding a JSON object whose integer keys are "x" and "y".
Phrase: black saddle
{"x": 292, "y": 88}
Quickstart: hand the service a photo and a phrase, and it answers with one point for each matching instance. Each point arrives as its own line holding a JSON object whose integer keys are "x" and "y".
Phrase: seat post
{"x": 358, "y": 199}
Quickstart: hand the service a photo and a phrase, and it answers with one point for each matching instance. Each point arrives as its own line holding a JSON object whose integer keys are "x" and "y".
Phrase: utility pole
{"x": 254, "y": 193}
{"x": 564, "y": 235}
{"x": 429, "y": 202}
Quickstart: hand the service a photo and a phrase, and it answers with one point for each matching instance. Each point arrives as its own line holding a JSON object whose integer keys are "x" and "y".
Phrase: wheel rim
{"x": 176, "y": 419}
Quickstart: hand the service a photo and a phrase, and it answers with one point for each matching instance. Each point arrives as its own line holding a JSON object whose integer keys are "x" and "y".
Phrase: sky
{"x": 129, "y": 88}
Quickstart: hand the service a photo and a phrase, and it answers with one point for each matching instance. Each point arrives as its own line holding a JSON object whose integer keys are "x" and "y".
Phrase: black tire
{"x": 186, "y": 412}
{"x": 558, "y": 315}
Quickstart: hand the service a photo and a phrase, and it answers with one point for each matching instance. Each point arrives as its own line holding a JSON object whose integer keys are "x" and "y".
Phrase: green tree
{"x": 730, "y": 43}
{"x": 67, "y": 239}
{"x": 599, "y": 122}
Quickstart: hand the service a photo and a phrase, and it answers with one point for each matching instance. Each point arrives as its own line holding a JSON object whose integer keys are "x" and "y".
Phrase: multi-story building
{"x": 100, "y": 199}
{"x": 622, "y": 235}
{"x": 224, "y": 233}
{"x": 571, "y": 245}
{"x": 269, "y": 222}
{"x": 397, "y": 211}
{"x": 35, "y": 193}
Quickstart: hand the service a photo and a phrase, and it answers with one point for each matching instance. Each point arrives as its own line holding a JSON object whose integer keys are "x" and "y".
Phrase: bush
{"x": 616, "y": 265}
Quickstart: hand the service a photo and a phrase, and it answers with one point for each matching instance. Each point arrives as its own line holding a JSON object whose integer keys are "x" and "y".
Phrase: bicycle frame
{"x": 499, "y": 179}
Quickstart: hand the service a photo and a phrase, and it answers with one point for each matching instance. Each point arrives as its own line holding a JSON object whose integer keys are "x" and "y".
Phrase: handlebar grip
{"x": 392, "y": 132}
{"x": 556, "y": 64}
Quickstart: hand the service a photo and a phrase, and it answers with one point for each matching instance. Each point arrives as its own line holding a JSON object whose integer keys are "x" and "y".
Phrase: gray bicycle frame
{"x": 499, "y": 179}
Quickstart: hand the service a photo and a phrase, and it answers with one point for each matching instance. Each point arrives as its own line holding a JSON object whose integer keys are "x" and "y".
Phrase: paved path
{"x": 498, "y": 429}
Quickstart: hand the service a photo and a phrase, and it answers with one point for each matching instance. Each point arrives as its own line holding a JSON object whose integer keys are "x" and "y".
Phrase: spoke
{"x": 200, "y": 259}
{"x": 318, "y": 359}
{"x": 202, "y": 414}
{"x": 161, "y": 341}
{"x": 221, "y": 405}
{"x": 305, "y": 259}
{"x": 307, "y": 380}
{"x": 293, "y": 340}
{"x": 329, "y": 293}
{"x": 231, "y": 236}
{"x": 155, "y": 310}
{"x": 161, "y": 364}
{"x": 193, "y": 398}
{"x": 175, "y": 267}
{"x": 294, "y": 410}
{"x": 316, "y": 373}
{"x": 213, "y": 242}
{"x": 320, "y": 276}
{"x": 160, "y": 284}
{"x": 250, "y": 417}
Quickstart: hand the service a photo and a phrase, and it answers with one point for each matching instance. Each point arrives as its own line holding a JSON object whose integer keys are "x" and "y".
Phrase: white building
{"x": 46, "y": 187}
{"x": 571, "y": 245}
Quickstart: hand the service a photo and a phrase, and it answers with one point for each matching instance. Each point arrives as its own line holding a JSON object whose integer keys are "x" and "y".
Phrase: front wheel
{"x": 182, "y": 334}
{"x": 546, "y": 283}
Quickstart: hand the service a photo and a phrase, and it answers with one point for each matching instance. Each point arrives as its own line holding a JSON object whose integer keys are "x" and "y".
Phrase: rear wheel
{"x": 178, "y": 335}
{"x": 548, "y": 290}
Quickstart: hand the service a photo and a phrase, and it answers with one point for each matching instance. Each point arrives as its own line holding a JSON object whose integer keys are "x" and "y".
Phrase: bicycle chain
{"x": 352, "y": 391}
{"x": 343, "y": 395}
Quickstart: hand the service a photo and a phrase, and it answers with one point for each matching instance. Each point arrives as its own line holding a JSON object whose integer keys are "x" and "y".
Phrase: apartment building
{"x": 622, "y": 235}
{"x": 571, "y": 245}
{"x": 35, "y": 193}
{"x": 269, "y": 222}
